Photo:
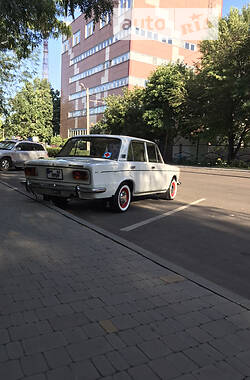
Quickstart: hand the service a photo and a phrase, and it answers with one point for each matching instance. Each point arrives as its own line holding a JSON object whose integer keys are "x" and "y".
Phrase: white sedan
{"x": 103, "y": 167}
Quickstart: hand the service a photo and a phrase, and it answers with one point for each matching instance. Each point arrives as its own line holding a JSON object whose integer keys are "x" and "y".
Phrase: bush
{"x": 57, "y": 141}
{"x": 239, "y": 164}
{"x": 52, "y": 152}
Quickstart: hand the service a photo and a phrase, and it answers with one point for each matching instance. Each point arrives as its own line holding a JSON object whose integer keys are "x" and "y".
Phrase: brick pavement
{"x": 75, "y": 305}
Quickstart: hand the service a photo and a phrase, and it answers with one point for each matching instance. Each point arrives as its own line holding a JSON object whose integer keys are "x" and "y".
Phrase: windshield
{"x": 93, "y": 147}
{"x": 7, "y": 145}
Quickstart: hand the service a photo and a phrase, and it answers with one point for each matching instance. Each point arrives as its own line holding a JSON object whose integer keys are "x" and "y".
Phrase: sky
{"x": 55, "y": 47}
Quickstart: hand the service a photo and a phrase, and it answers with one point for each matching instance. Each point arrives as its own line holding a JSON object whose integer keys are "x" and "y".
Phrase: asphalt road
{"x": 205, "y": 230}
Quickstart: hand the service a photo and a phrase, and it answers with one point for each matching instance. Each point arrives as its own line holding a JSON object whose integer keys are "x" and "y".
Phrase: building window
{"x": 65, "y": 46}
{"x": 105, "y": 87}
{"x": 125, "y": 4}
{"x": 89, "y": 29}
{"x": 76, "y": 38}
{"x": 105, "y": 19}
{"x": 192, "y": 47}
{"x": 186, "y": 45}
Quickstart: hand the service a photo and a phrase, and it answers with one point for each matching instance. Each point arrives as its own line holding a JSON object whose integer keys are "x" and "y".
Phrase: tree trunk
{"x": 230, "y": 148}
{"x": 168, "y": 147}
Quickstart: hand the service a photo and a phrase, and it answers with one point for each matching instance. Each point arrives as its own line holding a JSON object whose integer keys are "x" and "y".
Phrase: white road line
{"x": 147, "y": 221}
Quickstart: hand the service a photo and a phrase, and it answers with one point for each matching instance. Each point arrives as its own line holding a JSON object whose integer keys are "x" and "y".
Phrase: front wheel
{"x": 122, "y": 198}
{"x": 172, "y": 190}
{"x": 5, "y": 164}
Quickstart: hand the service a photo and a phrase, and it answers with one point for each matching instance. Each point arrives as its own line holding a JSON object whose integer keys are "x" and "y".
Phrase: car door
{"x": 39, "y": 151}
{"x": 139, "y": 166}
{"x": 157, "y": 169}
{"x": 22, "y": 153}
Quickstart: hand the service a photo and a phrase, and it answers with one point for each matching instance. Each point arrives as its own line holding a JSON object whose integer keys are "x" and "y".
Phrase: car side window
{"x": 38, "y": 147}
{"x": 130, "y": 156}
{"x": 152, "y": 156}
{"x": 159, "y": 157}
{"x": 19, "y": 147}
{"x": 139, "y": 151}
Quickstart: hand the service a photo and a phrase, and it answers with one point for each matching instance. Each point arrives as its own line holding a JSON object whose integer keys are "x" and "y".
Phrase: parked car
{"x": 14, "y": 153}
{"x": 103, "y": 167}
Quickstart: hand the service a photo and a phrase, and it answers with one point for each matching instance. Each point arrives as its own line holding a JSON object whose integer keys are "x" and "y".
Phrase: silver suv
{"x": 15, "y": 153}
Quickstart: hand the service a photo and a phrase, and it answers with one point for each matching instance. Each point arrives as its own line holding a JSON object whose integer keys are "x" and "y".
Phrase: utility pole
{"x": 87, "y": 99}
{"x": 45, "y": 73}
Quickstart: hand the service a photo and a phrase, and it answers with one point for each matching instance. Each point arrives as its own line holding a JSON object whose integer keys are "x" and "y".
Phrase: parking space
{"x": 205, "y": 230}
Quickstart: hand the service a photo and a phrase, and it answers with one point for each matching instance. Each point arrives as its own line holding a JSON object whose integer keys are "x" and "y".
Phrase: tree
{"x": 13, "y": 73}
{"x": 31, "y": 112}
{"x": 124, "y": 114}
{"x": 24, "y": 23}
{"x": 56, "y": 100}
{"x": 91, "y": 8}
{"x": 225, "y": 76}
{"x": 165, "y": 94}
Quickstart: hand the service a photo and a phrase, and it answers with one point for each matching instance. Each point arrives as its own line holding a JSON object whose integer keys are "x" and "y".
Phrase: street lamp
{"x": 87, "y": 101}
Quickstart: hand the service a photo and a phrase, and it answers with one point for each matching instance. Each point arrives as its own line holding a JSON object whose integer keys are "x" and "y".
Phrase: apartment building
{"x": 106, "y": 58}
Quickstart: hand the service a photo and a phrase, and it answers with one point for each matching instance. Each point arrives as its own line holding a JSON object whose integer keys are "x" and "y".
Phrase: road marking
{"x": 147, "y": 221}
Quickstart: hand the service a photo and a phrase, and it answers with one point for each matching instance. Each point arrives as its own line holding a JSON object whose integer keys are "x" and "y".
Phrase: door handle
{"x": 153, "y": 167}
{"x": 132, "y": 167}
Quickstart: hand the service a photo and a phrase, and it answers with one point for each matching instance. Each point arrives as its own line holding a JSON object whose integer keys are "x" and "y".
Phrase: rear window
{"x": 7, "y": 145}
{"x": 93, "y": 147}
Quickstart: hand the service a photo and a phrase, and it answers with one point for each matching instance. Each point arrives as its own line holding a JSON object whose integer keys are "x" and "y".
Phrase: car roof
{"x": 121, "y": 137}
{"x": 21, "y": 141}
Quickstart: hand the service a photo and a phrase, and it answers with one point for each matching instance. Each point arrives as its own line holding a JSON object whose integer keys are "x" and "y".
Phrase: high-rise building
{"x": 100, "y": 60}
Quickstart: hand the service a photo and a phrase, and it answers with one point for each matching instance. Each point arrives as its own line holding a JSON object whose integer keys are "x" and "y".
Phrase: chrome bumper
{"x": 59, "y": 189}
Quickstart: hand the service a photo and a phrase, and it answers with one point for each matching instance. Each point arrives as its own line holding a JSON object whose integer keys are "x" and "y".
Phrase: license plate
{"x": 54, "y": 174}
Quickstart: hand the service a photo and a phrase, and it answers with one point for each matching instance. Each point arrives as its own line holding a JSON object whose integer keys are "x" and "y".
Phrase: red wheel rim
{"x": 173, "y": 189}
{"x": 124, "y": 197}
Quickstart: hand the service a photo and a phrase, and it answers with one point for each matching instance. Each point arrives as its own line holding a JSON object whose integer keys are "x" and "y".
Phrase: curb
{"x": 235, "y": 173}
{"x": 198, "y": 280}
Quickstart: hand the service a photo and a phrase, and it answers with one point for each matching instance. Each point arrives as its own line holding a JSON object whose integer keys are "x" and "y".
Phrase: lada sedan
{"x": 110, "y": 167}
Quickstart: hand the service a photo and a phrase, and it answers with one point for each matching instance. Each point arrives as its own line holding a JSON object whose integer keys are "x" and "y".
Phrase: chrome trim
{"x": 71, "y": 188}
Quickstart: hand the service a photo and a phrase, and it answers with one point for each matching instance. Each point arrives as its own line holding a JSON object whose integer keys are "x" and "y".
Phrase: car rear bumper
{"x": 63, "y": 190}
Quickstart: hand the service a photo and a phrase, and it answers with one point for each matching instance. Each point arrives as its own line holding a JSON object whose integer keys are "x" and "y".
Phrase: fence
{"x": 207, "y": 154}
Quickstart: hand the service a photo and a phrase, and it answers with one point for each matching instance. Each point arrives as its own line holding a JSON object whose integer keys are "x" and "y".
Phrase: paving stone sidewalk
{"x": 75, "y": 305}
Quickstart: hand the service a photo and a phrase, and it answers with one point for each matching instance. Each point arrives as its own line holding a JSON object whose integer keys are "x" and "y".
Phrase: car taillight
{"x": 30, "y": 171}
{"x": 82, "y": 175}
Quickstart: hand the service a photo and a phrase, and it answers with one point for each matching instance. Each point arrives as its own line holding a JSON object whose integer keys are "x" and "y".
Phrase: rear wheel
{"x": 5, "y": 163}
{"x": 122, "y": 198}
{"x": 172, "y": 190}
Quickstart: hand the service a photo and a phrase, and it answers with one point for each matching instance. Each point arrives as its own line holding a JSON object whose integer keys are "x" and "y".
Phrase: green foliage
{"x": 153, "y": 112}
{"x": 53, "y": 151}
{"x": 211, "y": 103}
{"x": 25, "y": 23}
{"x": 57, "y": 140}
{"x": 91, "y": 8}
{"x": 31, "y": 112}
{"x": 123, "y": 115}
{"x": 222, "y": 83}
{"x": 13, "y": 74}
{"x": 165, "y": 95}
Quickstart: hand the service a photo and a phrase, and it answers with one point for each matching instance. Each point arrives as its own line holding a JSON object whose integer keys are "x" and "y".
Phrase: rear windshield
{"x": 93, "y": 147}
{"x": 7, "y": 145}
